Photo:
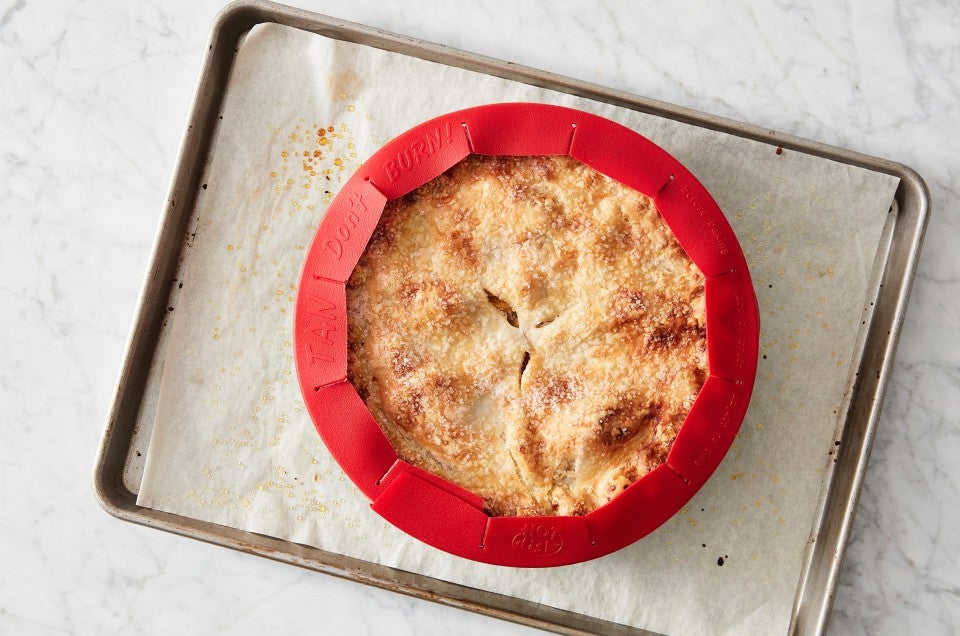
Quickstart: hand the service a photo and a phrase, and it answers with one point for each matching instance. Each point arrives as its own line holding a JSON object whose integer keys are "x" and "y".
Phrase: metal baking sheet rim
{"x": 877, "y": 344}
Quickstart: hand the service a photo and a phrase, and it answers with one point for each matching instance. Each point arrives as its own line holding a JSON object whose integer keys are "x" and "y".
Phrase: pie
{"x": 528, "y": 329}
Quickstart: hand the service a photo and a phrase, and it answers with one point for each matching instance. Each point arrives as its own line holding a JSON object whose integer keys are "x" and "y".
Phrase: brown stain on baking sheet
{"x": 343, "y": 83}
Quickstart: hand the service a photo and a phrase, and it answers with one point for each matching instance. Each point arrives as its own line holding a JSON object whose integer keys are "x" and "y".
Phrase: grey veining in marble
{"x": 93, "y": 100}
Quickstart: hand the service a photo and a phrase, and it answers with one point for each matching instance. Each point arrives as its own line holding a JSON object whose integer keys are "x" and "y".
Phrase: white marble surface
{"x": 93, "y": 101}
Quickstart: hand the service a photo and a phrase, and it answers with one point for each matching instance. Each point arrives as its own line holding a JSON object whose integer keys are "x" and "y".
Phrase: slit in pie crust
{"x": 529, "y": 329}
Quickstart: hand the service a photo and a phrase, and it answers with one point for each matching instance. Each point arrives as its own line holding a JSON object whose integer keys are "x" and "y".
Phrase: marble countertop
{"x": 93, "y": 102}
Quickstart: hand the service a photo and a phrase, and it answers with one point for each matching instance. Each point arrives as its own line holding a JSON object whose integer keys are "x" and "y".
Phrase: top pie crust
{"x": 528, "y": 329}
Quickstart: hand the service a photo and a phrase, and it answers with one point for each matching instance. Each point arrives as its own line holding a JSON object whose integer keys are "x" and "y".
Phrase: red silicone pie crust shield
{"x": 435, "y": 510}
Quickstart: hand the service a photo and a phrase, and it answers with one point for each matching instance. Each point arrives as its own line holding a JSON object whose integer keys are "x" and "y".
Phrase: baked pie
{"x": 529, "y": 329}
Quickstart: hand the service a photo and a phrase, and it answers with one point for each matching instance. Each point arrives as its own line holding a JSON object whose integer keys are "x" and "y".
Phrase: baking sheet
{"x": 233, "y": 445}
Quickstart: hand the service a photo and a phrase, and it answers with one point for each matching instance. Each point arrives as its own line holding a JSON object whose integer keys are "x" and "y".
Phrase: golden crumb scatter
{"x": 530, "y": 330}
{"x": 307, "y": 162}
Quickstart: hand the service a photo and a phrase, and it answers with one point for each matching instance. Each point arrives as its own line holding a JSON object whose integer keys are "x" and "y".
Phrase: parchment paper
{"x": 233, "y": 444}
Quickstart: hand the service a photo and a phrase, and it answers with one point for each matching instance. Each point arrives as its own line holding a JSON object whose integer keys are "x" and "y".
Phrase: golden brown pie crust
{"x": 529, "y": 329}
